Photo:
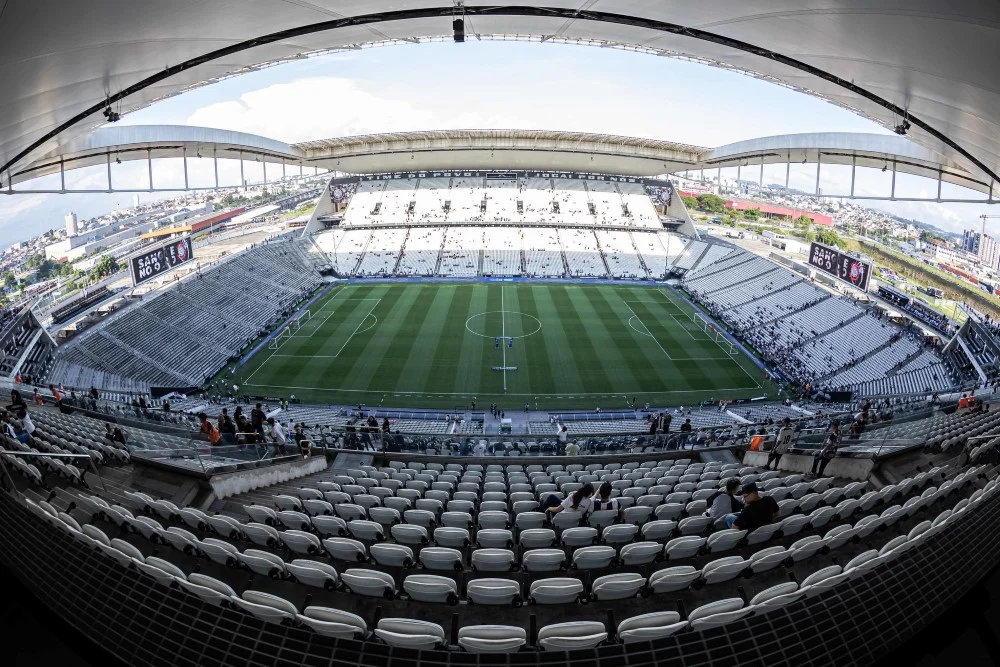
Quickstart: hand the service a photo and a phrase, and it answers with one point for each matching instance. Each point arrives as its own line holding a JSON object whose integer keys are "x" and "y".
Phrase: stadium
{"x": 492, "y": 396}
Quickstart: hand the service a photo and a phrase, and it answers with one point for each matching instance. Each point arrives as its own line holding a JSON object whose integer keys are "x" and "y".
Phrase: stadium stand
{"x": 185, "y": 334}
{"x": 815, "y": 337}
{"x": 424, "y": 539}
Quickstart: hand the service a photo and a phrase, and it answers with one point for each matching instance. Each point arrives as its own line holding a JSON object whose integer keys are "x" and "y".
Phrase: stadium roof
{"x": 930, "y": 62}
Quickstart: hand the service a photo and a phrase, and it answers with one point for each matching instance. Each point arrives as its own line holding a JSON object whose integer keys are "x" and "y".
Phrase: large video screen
{"x": 151, "y": 263}
{"x": 840, "y": 265}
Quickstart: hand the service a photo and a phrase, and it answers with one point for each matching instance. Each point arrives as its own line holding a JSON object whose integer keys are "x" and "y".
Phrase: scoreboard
{"x": 151, "y": 263}
{"x": 840, "y": 265}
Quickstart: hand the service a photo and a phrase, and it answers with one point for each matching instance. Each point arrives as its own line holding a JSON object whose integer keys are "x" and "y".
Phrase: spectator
{"x": 722, "y": 503}
{"x": 257, "y": 420}
{"x": 301, "y": 441}
{"x": 563, "y": 435}
{"x": 56, "y": 395}
{"x": 758, "y": 510}
{"x": 277, "y": 433}
{"x": 781, "y": 443}
{"x": 578, "y": 502}
{"x": 686, "y": 426}
{"x": 826, "y": 454}
{"x": 479, "y": 449}
{"x": 603, "y": 499}
{"x": 94, "y": 394}
{"x": 26, "y": 423}
{"x": 572, "y": 449}
{"x": 667, "y": 418}
{"x": 38, "y": 398}
{"x": 208, "y": 428}
{"x": 227, "y": 427}
{"x": 465, "y": 448}
{"x": 114, "y": 434}
{"x": 16, "y": 402}
{"x": 385, "y": 425}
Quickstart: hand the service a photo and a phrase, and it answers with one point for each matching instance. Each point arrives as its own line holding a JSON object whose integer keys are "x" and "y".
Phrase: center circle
{"x": 491, "y": 319}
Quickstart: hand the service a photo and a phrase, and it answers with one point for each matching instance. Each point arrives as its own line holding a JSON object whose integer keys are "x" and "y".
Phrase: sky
{"x": 484, "y": 85}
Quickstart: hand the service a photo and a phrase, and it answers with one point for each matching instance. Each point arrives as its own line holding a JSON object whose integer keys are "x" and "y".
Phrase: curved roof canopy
{"x": 541, "y": 150}
{"x": 929, "y": 63}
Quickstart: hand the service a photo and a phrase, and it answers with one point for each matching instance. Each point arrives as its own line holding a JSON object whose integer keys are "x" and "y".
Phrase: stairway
{"x": 437, "y": 262}
{"x": 562, "y": 254}
{"x": 642, "y": 262}
{"x": 898, "y": 367}
{"x": 604, "y": 258}
{"x": 402, "y": 251}
{"x": 832, "y": 329}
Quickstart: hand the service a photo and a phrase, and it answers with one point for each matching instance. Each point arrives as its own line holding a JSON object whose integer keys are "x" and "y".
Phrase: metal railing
{"x": 90, "y": 462}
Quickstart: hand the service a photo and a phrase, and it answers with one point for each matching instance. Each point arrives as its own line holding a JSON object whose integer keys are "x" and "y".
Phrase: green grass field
{"x": 433, "y": 345}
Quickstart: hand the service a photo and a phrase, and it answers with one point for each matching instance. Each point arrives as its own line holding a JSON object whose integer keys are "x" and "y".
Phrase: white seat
{"x": 768, "y": 559}
{"x": 392, "y": 555}
{"x": 405, "y": 533}
{"x": 494, "y": 591}
{"x": 694, "y": 525}
{"x": 410, "y": 633}
{"x": 208, "y": 589}
{"x": 581, "y": 536}
{"x": 593, "y": 557}
{"x": 617, "y": 586}
{"x": 776, "y": 596}
{"x": 494, "y": 538}
{"x": 543, "y": 560}
{"x": 717, "y": 613}
{"x": 301, "y": 542}
{"x": 673, "y": 578}
{"x": 452, "y": 537}
{"x": 571, "y": 636}
{"x": 805, "y": 548}
{"x": 346, "y": 549}
{"x": 264, "y": 535}
{"x": 723, "y": 569}
{"x": 294, "y": 520}
{"x": 683, "y": 547}
{"x": 261, "y": 514}
{"x": 441, "y": 558}
{"x": 556, "y": 590}
{"x": 649, "y": 627}
{"x": 264, "y": 563}
{"x": 314, "y": 573}
{"x": 371, "y": 583}
{"x": 493, "y": 560}
{"x": 491, "y": 638}
{"x": 363, "y": 529}
{"x": 164, "y": 572}
{"x": 619, "y": 534}
{"x": 333, "y": 622}
{"x": 267, "y": 607}
{"x": 536, "y": 538}
{"x": 640, "y": 553}
{"x": 724, "y": 540}
{"x": 431, "y": 588}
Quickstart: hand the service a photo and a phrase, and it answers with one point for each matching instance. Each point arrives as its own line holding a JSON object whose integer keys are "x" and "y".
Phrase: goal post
{"x": 278, "y": 340}
{"x": 713, "y": 333}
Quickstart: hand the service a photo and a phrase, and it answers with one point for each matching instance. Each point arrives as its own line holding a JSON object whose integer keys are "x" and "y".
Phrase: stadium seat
{"x": 570, "y": 636}
{"x": 650, "y": 627}
{"x": 491, "y": 638}
{"x": 410, "y": 633}
{"x": 493, "y": 592}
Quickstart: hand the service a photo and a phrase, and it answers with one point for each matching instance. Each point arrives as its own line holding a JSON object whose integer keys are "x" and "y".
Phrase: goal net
{"x": 282, "y": 336}
{"x": 297, "y": 323}
{"x": 713, "y": 333}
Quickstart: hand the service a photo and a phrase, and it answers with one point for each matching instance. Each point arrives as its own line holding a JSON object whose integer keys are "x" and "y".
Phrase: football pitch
{"x": 549, "y": 345}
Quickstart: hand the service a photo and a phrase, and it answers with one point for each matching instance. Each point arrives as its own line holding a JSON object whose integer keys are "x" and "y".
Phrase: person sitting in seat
{"x": 722, "y": 503}
{"x": 603, "y": 499}
{"x": 758, "y": 510}
{"x": 572, "y": 449}
{"x": 578, "y": 502}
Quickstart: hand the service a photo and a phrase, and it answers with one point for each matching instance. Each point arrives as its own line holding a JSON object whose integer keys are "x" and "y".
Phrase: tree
{"x": 829, "y": 237}
{"x": 690, "y": 202}
{"x": 107, "y": 266}
{"x": 803, "y": 221}
{"x": 9, "y": 280}
{"x": 752, "y": 214}
{"x": 711, "y": 203}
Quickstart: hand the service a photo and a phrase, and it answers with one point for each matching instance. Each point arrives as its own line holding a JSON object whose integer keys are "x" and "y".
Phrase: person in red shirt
{"x": 209, "y": 429}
